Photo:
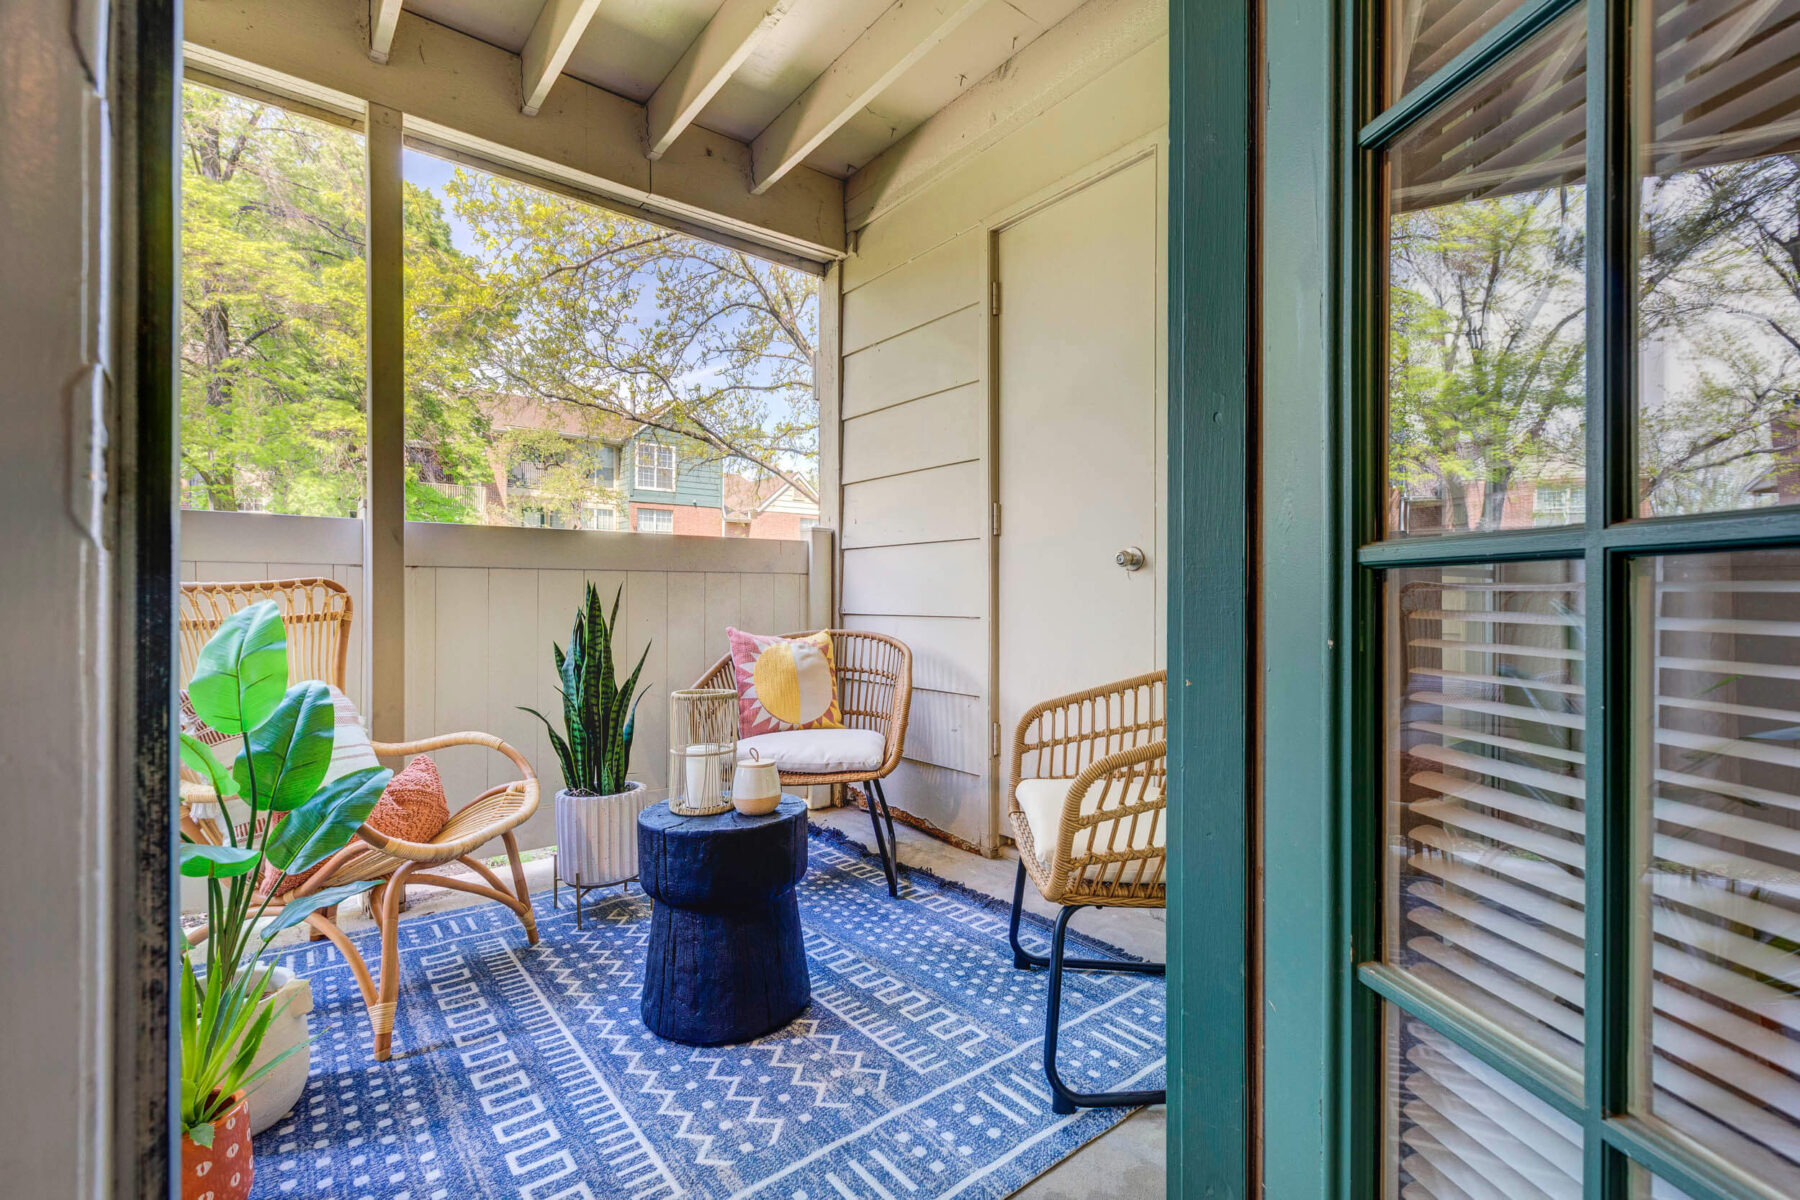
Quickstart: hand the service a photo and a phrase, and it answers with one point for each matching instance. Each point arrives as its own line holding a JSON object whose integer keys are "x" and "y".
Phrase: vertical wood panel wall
{"x": 916, "y": 461}
{"x": 483, "y": 606}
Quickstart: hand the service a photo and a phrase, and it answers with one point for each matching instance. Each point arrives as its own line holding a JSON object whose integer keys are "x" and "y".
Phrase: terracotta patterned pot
{"x": 223, "y": 1170}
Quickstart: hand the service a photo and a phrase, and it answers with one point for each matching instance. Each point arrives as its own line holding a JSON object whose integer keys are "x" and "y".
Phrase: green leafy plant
{"x": 597, "y": 715}
{"x": 297, "y": 821}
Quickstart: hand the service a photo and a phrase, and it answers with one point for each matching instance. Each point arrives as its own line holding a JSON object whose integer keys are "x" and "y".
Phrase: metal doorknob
{"x": 1131, "y": 558}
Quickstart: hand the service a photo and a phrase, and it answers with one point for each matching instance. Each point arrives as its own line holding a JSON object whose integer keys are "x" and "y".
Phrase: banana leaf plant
{"x": 298, "y": 819}
{"x": 598, "y": 715}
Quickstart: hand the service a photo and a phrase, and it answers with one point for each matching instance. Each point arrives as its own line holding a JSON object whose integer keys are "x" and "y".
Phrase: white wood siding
{"x": 483, "y": 606}
{"x": 916, "y": 461}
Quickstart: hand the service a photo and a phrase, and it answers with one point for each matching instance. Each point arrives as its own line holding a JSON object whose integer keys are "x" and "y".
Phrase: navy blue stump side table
{"x": 726, "y": 961}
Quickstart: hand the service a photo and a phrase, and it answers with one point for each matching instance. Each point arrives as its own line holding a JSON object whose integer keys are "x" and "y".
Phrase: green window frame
{"x": 1613, "y": 538}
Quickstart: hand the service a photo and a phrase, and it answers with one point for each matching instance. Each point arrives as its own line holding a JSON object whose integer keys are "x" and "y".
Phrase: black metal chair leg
{"x": 1025, "y": 960}
{"x": 887, "y": 813}
{"x": 1064, "y": 1101}
{"x": 887, "y": 857}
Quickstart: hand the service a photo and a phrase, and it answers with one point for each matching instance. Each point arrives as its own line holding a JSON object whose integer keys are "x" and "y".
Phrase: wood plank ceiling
{"x": 825, "y": 83}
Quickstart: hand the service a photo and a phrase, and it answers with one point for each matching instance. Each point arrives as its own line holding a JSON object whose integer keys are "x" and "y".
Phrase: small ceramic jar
{"x": 756, "y": 786}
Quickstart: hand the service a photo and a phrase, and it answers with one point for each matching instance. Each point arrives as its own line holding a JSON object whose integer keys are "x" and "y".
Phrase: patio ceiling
{"x": 828, "y": 84}
{"x": 780, "y": 125}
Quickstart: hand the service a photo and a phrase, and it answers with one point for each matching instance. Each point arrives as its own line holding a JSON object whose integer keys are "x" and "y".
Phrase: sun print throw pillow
{"x": 784, "y": 683}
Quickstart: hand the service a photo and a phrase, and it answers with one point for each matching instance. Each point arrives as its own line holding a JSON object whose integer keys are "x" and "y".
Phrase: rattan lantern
{"x": 703, "y": 734}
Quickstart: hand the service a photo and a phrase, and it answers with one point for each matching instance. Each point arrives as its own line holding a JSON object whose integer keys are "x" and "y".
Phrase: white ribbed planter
{"x": 596, "y": 836}
{"x": 276, "y": 1094}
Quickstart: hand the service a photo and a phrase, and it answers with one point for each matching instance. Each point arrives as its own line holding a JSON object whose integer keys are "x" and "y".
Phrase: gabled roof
{"x": 531, "y": 412}
{"x": 745, "y": 497}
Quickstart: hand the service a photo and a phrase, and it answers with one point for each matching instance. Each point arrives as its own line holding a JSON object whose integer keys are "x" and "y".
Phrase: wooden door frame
{"x": 141, "y": 891}
{"x": 1213, "y": 377}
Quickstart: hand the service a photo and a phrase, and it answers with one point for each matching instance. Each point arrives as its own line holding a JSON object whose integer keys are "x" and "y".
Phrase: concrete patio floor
{"x": 1125, "y": 1163}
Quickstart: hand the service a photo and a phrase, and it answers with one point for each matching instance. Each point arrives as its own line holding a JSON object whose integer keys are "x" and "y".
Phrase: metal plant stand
{"x": 597, "y": 837}
{"x": 581, "y": 889}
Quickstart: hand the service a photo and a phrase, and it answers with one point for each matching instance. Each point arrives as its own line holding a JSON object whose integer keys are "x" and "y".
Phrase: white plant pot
{"x": 596, "y": 836}
{"x": 273, "y": 1097}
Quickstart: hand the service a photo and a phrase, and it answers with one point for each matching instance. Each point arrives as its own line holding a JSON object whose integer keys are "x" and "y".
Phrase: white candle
{"x": 704, "y": 762}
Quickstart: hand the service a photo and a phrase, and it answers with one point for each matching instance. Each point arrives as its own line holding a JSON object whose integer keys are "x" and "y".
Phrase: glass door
{"x": 1572, "y": 510}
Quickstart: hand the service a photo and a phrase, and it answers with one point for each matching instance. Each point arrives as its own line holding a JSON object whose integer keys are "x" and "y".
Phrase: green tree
{"x": 273, "y": 306}
{"x": 627, "y": 320}
{"x": 566, "y": 475}
{"x": 1485, "y": 350}
{"x": 1720, "y": 296}
{"x": 272, "y": 330}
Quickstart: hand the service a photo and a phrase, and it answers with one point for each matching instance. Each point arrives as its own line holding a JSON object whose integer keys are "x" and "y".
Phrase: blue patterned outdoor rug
{"x": 524, "y": 1071}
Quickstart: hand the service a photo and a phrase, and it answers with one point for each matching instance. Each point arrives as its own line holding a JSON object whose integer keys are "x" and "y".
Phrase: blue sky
{"x": 432, "y": 174}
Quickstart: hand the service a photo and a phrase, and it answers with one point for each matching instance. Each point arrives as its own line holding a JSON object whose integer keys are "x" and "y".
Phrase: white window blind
{"x": 655, "y": 520}
{"x": 1485, "y": 874}
{"x": 1485, "y": 793}
{"x": 1722, "y": 696}
{"x": 1465, "y": 1130}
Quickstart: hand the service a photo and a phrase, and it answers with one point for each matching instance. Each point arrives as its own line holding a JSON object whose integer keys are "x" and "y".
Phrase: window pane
{"x": 1719, "y": 351}
{"x": 1485, "y": 299}
{"x": 562, "y": 359}
{"x": 1456, "y": 1127}
{"x": 1718, "y": 800}
{"x": 1645, "y": 1186}
{"x": 1483, "y": 792}
{"x": 272, "y": 289}
{"x": 1423, "y": 36}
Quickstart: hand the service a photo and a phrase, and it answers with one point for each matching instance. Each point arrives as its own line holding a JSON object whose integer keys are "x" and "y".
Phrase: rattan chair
{"x": 1091, "y": 832}
{"x": 316, "y": 613}
{"x": 874, "y": 684}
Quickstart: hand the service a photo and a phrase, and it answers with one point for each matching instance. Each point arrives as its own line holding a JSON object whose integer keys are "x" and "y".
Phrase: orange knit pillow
{"x": 412, "y": 807}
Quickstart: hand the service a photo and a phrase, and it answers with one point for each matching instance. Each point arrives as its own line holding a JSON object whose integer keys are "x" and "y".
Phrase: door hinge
{"x": 994, "y": 740}
{"x": 994, "y": 297}
{"x": 995, "y": 523}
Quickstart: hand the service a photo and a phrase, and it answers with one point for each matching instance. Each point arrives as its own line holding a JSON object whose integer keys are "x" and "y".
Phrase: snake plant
{"x": 598, "y": 715}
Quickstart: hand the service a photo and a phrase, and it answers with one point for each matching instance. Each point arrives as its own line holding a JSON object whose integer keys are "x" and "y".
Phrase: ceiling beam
{"x": 898, "y": 39}
{"x": 1075, "y": 52}
{"x": 383, "y": 16}
{"x": 459, "y": 96}
{"x": 712, "y": 59}
{"x": 559, "y": 26}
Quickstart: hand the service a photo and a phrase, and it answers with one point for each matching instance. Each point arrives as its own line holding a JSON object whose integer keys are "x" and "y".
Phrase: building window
{"x": 655, "y": 467}
{"x": 808, "y": 524}
{"x": 655, "y": 520}
{"x": 1564, "y": 504}
{"x": 606, "y": 466}
{"x": 594, "y": 517}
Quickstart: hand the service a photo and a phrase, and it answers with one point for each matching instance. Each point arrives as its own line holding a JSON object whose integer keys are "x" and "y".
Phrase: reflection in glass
{"x": 1717, "y": 647}
{"x": 1456, "y": 1127}
{"x": 1645, "y": 1186}
{"x": 1718, "y": 268}
{"x": 1424, "y": 36}
{"x": 1483, "y": 792}
{"x": 1485, "y": 298}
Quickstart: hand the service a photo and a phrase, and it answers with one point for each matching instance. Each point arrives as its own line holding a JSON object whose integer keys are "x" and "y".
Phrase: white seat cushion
{"x": 1041, "y": 801}
{"x": 818, "y": 751}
